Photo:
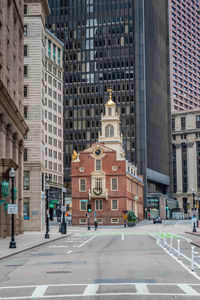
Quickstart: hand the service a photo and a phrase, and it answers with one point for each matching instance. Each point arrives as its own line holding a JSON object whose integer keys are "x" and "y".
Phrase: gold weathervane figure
{"x": 74, "y": 155}
{"x": 110, "y": 100}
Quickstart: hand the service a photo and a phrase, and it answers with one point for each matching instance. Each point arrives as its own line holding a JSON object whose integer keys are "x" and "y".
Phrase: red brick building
{"x": 102, "y": 177}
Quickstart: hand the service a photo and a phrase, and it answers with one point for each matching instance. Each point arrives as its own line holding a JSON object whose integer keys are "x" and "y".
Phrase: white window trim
{"x": 114, "y": 219}
{"x": 117, "y": 204}
{"x": 100, "y": 220}
{"x": 80, "y": 185}
{"x": 85, "y": 221}
{"x": 111, "y": 183}
{"x": 96, "y": 164}
{"x": 96, "y": 205}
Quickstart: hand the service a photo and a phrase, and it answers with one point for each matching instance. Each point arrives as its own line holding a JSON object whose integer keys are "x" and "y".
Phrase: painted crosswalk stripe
{"x": 91, "y": 290}
{"x": 141, "y": 288}
{"x": 39, "y": 291}
{"x": 187, "y": 289}
{"x": 69, "y": 252}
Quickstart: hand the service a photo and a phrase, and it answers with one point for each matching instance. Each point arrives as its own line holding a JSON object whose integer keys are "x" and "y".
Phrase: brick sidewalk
{"x": 28, "y": 240}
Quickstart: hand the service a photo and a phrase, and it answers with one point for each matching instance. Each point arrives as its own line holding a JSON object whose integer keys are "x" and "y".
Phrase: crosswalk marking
{"x": 188, "y": 289}
{"x": 141, "y": 288}
{"x": 39, "y": 291}
{"x": 91, "y": 290}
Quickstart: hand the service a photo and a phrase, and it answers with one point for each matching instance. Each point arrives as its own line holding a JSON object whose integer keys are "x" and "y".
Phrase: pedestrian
{"x": 95, "y": 225}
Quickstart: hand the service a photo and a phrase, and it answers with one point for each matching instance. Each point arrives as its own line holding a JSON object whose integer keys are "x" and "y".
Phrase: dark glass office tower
{"x": 122, "y": 44}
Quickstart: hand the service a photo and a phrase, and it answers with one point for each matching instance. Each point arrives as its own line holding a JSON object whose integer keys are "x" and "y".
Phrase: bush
{"x": 131, "y": 216}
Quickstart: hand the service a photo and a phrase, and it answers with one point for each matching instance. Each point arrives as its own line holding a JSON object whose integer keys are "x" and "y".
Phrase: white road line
{"x": 39, "y": 291}
{"x": 87, "y": 241}
{"x": 122, "y": 236}
{"x": 141, "y": 288}
{"x": 69, "y": 252}
{"x": 91, "y": 290}
{"x": 188, "y": 289}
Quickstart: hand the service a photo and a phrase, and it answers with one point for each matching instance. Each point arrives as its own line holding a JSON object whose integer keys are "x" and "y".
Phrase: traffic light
{"x": 124, "y": 211}
{"x": 89, "y": 207}
{"x": 67, "y": 207}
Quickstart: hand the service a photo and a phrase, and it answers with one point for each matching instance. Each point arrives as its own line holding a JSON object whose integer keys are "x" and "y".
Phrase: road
{"x": 111, "y": 263}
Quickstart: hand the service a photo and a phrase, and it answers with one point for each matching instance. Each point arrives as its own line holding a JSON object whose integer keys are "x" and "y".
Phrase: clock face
{"x": 97, "y": 151}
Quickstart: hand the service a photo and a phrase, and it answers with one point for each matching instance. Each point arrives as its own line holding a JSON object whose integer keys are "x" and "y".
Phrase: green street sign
{"x": 54, "y": 201}
{"x": 51, "y": 205}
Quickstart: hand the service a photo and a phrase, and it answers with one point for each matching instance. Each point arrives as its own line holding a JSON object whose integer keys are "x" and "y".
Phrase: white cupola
{"x": 110, "y": 128}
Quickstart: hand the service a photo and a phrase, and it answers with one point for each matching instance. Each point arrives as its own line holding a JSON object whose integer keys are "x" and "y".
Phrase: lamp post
{"x": 12, "y": 242}
{"x": 63, "y": 224}
{"x": 47, "y": 211}
{"x": 194, "y": 211}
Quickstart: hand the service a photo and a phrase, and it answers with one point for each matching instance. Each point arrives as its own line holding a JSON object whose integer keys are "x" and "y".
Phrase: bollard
{"x": 171, "y": 237}
{"x": 192, "y": 258}
{"x": 178, "y": 249}
{"x": 164, "y": 241}
{"x": 157, "y": 240}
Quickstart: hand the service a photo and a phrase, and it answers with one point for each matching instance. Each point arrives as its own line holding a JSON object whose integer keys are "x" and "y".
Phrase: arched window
{"x": 110, "y": 111}
{"x": 109, "y": 131}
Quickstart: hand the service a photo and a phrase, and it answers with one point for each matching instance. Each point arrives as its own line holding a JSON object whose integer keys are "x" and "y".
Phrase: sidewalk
{"x": 28, "y": 240}
{"x": 197, "y": 234}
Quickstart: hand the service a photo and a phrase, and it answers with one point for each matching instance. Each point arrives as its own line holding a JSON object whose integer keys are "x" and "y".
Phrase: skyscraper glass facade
{"x": 98, "y": 54}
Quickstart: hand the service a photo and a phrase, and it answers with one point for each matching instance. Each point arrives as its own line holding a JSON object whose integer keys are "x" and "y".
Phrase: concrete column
{"x": 9, "y": 142}
{"x": 20, "y": 187}
{"x": 179, "y": 169}
{"x": 192, "y": 166}
{"x": 2, "y": 137}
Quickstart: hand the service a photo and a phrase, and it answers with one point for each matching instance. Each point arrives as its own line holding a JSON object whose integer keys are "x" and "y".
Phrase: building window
{"x": 25, "y": 71}
{"x": 83, "y": 204}
{"x": 98, "y": 164}
{"x": 114, "y": 220}
{"x": 109, "y": 131}
{"x": 82, "y": 221}
{"x": 82, "y": 185}
{"x": 26, "y": 180}
{"x": 25, "y": 9}
{"x": 25, "y": 50}
{"x": 114, "y": 204}
{"x": 25, "y": 112}
{"x": 198, "y": 121}
{"x": 100, "y": 220}
{"x": 26, "y": 208}
{"x": 25, "y": 91}
{"x": 25, "y": 30}
{"x": 25, "y": 154}
{"x": 99, "y": 204}
{"x": 98, "y": 183}
{"x": 114, "y": 184}
{"x": 110, "y": 111}
{"x": 182, "y": 123}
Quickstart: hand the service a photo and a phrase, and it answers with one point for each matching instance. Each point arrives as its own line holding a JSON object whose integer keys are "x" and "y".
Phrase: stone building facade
{"x": 186, "y": 158}
{"x": 102, "y": 177}
{"x": 44, "y": 114}
{"x": 12, "y": 124}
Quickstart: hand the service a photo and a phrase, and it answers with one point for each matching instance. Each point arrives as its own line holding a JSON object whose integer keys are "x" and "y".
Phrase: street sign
{"x": 54, "y": 201}
{"x": 63, "y": 208}
{"x": 136, "y": 197}
{"x": 51, "y": 205}
{"x": 95, "y": 214}
{"x": 12, "y": 209}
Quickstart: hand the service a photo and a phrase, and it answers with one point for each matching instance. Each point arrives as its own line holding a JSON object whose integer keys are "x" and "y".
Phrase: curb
{"x": 34, "y": 246}
{"x": 196, "y": 234}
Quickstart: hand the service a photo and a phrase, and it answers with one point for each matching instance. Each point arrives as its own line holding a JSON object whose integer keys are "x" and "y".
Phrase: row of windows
{"x": 27, "y": 182}
{"x": 183, "y": 122}
{"x": 98, "y": 184}
{"x": 98, "y": 205}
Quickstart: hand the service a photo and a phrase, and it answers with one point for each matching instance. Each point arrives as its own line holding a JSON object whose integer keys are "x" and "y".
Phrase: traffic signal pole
{"x": 89, "y": 221}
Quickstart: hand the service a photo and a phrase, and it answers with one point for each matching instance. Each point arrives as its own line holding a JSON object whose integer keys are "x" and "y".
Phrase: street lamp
{"x": 194, "y": 211}
{"x": 12, "y": 242}
{"x": 47, "y": 211}
{"x": 63, "y": 224}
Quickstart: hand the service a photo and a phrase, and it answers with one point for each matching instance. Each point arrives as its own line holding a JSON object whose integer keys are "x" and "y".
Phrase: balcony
{"x": 97, "y": 193}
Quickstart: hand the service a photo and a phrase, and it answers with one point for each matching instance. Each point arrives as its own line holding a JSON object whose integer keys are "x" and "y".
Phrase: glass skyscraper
{"x": 117, "y": 44}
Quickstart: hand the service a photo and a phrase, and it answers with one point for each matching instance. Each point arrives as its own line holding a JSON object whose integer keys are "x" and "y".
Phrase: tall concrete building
{"x": 184, "y": 53}
{"x": 43, "y": 154}
{"x": 186, "y": 158}
{"x": 122, "y": 45}
{"x": 12, "y": 124}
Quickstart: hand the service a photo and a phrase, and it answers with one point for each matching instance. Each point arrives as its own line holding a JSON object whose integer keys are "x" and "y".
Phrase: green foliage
{"x": 131, "y": 216}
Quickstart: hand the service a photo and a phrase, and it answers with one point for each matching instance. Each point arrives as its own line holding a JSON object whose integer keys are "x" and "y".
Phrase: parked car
{"x": 157, "y": 220}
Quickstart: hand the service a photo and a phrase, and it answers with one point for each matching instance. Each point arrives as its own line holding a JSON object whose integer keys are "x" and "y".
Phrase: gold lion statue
{"x": 74, "y": 155}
